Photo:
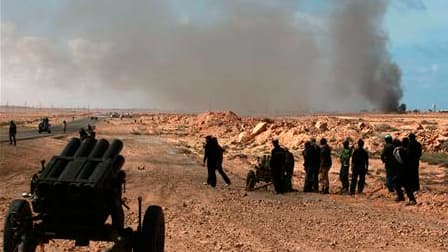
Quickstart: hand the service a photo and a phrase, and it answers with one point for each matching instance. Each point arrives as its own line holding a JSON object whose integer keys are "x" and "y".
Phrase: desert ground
{"x": 164, "y": 165}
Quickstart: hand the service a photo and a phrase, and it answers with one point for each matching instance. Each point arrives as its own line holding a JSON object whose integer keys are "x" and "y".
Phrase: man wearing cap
{"x": 277, "y": 164}
{"x": 387, "y": 157}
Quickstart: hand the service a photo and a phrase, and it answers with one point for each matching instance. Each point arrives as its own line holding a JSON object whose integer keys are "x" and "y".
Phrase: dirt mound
{"x": 217, "y": 118}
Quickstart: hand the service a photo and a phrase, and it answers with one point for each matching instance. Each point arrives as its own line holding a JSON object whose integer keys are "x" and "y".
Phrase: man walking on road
{"x": 211, "y": 158}
{"x": 220, "y": 156}
{"x": 12, "y": 132}
{"x": 65, "y": 125}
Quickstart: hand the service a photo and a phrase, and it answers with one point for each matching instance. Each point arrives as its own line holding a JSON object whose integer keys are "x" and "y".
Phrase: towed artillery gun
{"x": 44, "y": 126}
{"x": 72, "y": 198}
{"x": 261, "y": 173}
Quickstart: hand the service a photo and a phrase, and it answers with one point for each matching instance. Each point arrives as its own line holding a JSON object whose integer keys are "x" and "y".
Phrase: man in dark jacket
{"x": 414, "y": 152}
{"x": 220, "y": 156}
{"x": 387, "y": 157}
{"x": 325, "y": 165}
{"x": 211, "y": 158}
{"x": 308, "y": 184}
{"x": 277, "y": 165}
{"x": 315, "y": 164}
{"x": 12, "y": 132}
{"x": 402, "y": 163}
{"x": 360, "y": 165}
{"x": 408, "y": 175}
{"x": 289, "y": 171}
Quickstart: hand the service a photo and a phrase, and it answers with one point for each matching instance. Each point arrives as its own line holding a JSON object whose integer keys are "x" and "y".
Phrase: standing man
{"x": 277, "y": 165}
{"x": 387, "y": 157}
{"x": 325, "y": 165}
{"x": 211, "y": 158}
{"x": 65, "y": 125}
{"x": 414, "y": 152}
{"x": 12, "y": 132}
{"x": 220, "y": 156}
{"x": 401, "y": 155}
{"x": 360, "y": 165}
{"x": 345, "y": 165}
{"x": 315, "y": 164}
{"x": 289, "y": 171}
{"x": 308, "y": 184}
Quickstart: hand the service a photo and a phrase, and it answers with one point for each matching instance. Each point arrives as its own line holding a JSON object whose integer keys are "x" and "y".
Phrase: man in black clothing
{"x": 406, "y": 177}
{"x": 387, "y": 157}
{"x": 211, "y": 158}
{"x": 277, "y": 165}
{"x": 412, "y": 181}
{"x": 64, "y": 125}
{"x": 289, "y": 171}
{"x": 220, "y": 155}
{"x": 315, "y": 165}
{"x": 307, "y": 186}
{"x": 12, "y": 132}
{"x": 360, "y": 165}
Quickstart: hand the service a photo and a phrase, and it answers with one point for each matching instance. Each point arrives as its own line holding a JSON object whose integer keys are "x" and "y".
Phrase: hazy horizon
{"x": 245, "y": 56}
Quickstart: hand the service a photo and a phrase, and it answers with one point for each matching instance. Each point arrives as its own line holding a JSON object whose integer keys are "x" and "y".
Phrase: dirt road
{"x": 200, "y": 218}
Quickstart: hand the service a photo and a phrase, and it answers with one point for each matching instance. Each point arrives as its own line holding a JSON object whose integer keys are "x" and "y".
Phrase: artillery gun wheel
{"x": 251, "y": 180}
{"x": 152, "y": 237}
{"x": 18, "y": 226}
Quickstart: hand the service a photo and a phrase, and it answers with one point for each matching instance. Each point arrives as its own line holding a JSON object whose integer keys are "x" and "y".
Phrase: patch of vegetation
{"x": 385, "y": 128}
{"x": 444, "y": 146}
{"x": 436, "y": 158}
{"x": 428, "y": 122}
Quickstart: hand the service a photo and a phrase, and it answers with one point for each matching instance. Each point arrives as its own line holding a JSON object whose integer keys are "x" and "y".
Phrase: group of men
{"x": 318, "y": 162}
{"x": 401, "y": 160}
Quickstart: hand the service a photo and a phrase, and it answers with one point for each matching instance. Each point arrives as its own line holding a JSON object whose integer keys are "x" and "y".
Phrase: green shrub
{"x": 436, "y": 158}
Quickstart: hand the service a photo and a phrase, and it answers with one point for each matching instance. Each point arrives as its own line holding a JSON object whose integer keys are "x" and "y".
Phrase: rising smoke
{"x": 248, "y": 56}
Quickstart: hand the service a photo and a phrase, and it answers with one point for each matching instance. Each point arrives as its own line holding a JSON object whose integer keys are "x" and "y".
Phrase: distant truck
{"x": 45, "y": 126}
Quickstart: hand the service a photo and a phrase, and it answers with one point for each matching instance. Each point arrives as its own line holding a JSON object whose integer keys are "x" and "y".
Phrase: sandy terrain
{"x": 199, "y": 218}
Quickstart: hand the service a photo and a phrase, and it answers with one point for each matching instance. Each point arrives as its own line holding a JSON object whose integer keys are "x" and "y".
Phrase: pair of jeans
{"x": 324, "y": 181}
{"x": 343, "y": 176}
{"x": 361, "y": 174}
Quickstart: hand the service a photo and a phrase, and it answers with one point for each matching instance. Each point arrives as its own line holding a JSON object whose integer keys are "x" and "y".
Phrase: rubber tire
{"x": 18, "y": 208}
{"x": 251, "y": 180}
{"x": 152, "y": 236}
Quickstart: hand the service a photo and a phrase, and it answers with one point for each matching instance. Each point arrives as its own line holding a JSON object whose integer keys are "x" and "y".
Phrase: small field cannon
{"x": 261, "y": 173}
{"x": 73, "y": 196}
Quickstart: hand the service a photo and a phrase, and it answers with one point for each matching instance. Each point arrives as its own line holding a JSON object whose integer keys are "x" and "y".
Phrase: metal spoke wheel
{"x": 18, "y": 228}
